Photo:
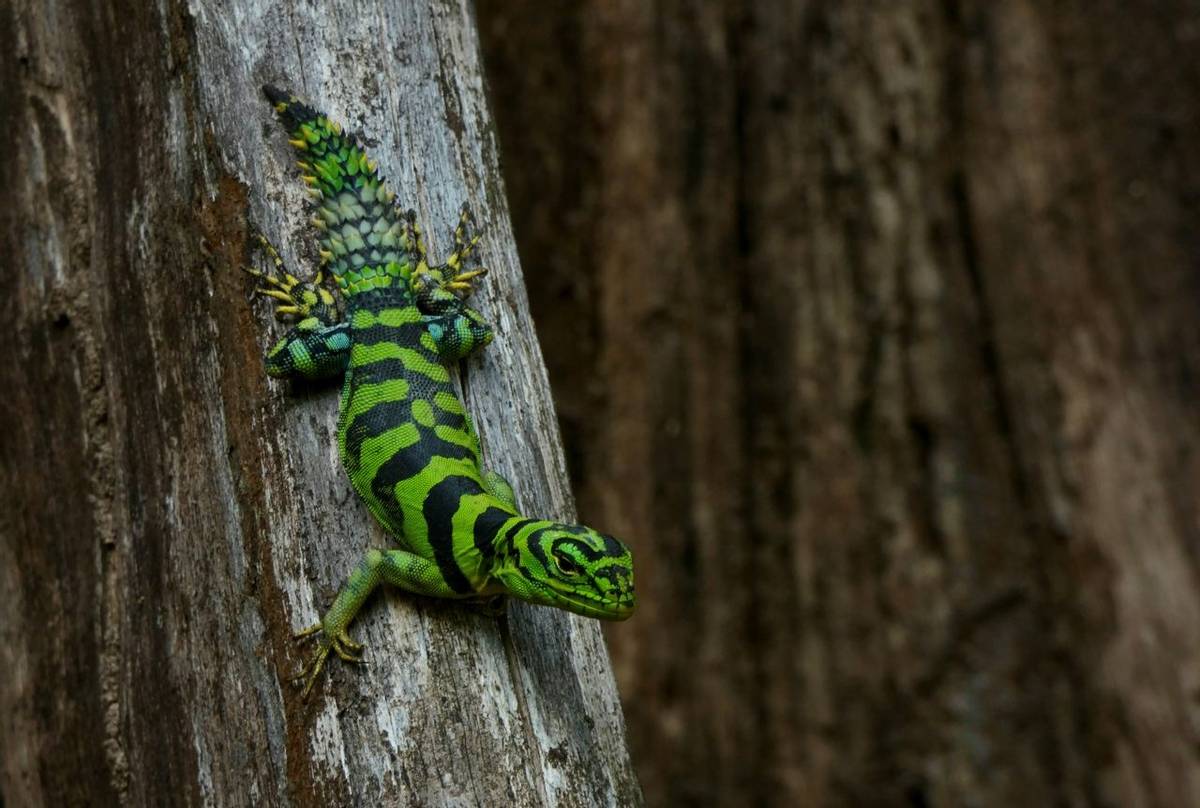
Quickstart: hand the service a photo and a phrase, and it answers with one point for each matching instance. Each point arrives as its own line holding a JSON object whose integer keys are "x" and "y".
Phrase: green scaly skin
{"x": 404, "y": 437}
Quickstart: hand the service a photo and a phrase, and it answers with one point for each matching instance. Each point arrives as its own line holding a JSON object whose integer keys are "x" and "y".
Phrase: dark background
{"x": 874, "y": 327}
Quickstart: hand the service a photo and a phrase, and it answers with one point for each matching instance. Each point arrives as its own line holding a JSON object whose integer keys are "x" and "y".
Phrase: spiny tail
{"x": 364, "y": 240}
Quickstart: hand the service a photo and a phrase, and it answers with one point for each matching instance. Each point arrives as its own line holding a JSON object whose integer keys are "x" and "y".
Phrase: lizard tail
{"x": 291, "y": 111}
{"x": 364, "y": 240}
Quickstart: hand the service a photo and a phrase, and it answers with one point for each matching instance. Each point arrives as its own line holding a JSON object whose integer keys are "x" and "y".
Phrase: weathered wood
{"x": 172, "y": 516}
{"x": 873, "y": 327}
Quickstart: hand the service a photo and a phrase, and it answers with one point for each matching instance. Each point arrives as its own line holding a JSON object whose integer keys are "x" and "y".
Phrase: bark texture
{"x": 172, "y": 516}
{"x": 874, "y": 327}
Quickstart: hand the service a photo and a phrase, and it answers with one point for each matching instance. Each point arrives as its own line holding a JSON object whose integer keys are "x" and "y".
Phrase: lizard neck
{"x": 501, "y": 553}
{"x": 507, "y": 531}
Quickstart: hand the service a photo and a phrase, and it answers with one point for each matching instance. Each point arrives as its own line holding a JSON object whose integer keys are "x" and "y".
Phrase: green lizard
{"x": 404, "y": 436}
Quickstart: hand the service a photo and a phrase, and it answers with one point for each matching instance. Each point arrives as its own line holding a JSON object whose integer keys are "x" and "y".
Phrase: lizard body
{"x": 404, "y": 437}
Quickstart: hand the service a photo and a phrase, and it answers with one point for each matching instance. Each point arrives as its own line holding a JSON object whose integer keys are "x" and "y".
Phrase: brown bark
{"x": 873, "y": 325}
{"x": 171, "y": 516}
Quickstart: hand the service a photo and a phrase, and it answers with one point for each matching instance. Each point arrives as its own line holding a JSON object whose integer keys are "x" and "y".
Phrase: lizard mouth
{"x": 616, "y": 606}
{"x": 600, "y": 608}
{"x": 623, "y": 609}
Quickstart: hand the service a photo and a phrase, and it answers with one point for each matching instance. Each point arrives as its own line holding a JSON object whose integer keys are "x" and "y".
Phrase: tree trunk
{"x": 873, "y": 326}
{"x": 172, "y": 515}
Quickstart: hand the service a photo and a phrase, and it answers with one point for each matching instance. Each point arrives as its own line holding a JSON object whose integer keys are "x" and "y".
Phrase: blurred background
{"x": 874, "y": 327}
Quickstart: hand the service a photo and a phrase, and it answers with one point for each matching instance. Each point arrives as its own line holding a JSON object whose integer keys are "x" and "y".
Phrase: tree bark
{"x": 873, "y": 326}
{"x": 172, "y": 515}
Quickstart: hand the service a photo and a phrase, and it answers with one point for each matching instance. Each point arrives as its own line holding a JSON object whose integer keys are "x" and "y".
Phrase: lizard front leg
{"x": 455, "y": 328}
{"x": 399, "y": 568}
{"x": 497, "y": 485}
{"x": 318, "y": 346}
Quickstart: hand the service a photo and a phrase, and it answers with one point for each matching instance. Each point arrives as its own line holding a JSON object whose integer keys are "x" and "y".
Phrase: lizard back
{"x": 406, "y": 439}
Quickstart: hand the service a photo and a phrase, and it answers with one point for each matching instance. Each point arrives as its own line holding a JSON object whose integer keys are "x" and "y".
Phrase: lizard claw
{"x": 449, "y": 280}
{"x": 345, "y": 640}
{"x": 464, "y": 244}
{"x": 339, "y": 643}
{"x": 461, "y": 283}
{"x": 294, "y": 296}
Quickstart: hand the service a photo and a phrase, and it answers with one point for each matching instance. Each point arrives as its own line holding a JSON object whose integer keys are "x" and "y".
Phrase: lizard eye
{"x": 566, "y": 565}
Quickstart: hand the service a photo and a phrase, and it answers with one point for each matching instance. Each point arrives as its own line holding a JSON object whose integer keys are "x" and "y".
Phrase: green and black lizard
{"x": 403, "y": 434}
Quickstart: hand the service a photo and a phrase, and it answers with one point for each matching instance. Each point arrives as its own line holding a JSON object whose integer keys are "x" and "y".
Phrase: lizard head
{"x": 570, "y": 567}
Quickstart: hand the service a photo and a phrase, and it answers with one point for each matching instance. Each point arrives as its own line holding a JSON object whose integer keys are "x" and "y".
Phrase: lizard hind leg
{"x": 311, "y": 351}
{"x": 458, "y": 280}
{"x": 458, "y": 332}
{"x": 450, "y": 278}
{"x": 318, "y": 347}
{"x": 453, "y": 329}
{"x": 293, "y": 297}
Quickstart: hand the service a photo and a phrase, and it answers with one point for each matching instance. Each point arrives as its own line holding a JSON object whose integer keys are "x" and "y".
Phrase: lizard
{"x": 404, "y": 437}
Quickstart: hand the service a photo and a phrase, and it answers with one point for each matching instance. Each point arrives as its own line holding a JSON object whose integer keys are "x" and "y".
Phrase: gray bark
{"x": 174, "y": 516}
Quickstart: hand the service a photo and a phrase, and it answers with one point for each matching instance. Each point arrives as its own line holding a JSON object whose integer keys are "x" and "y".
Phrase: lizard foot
{"x": 337, "y": 642}
{"x": 464, "y": 244}
{"x": 439, "y": 283}
{"x": 294, "y": 297}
